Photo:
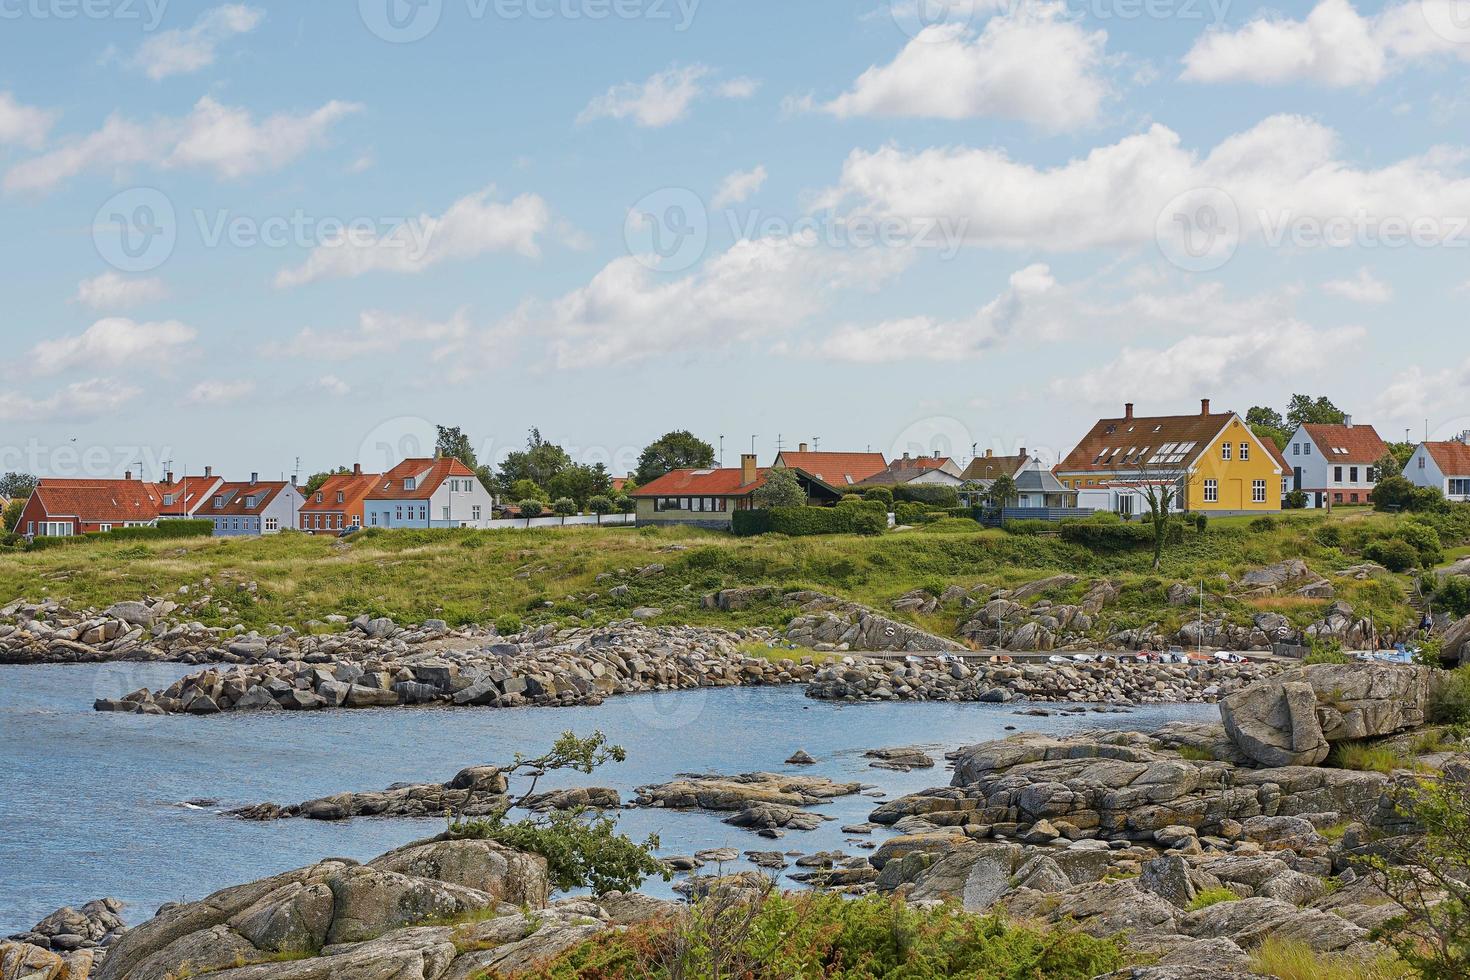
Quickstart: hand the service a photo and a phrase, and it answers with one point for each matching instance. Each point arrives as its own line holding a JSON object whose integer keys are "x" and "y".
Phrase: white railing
{"x": 581, "y": 520}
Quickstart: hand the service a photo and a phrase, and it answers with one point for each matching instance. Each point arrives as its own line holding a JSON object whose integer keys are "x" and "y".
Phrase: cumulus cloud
{"x": 738, "y": 187}
{"x": 1035, "y": 63}
{"x": 376, "y": 333}
{"x": 1284, "y": 168}
{"x": 941, "y": 340}
{"x": 219, "y": 392}
{"x": 23, "y": 125}
{"x": 115, "y": 340}
{"x": 183, "y": 51}
{"x": 1334, "y": 46}
{"x": 472, "y": 226}
{"x": 333, "y": 385}
{"x": 664, "y": 98}
{"x": 114, "y": 291}
{"x": 1365, "y": 287}
{"x": 79, "y": 402}
{"x": 758, "y": 288}
{"x": 226, "y": 140}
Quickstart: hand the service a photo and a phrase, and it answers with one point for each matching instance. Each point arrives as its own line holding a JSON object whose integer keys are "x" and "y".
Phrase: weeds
{"x": 1212, "y": 896}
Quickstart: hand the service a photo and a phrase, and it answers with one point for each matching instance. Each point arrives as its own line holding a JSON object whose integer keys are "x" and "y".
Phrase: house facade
{"x": 339, "y": 504}
{"x": 1335, "y": 464}
{"x": 1442, "y": 465}
{"x": 66, "y": 508}
{"x": 253, "y": 508}
{"x": 187, "y": 498}
{"x": 428, "y": 493}
{"x": 709, "y": 497}
{"x": 925, "y": 470}
{"x": 1212, "y": 461}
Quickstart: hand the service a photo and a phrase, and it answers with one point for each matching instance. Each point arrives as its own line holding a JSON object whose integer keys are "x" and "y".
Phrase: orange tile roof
{"x": 835, "y": 469}
{"x": 702, "y": 483}
{"x": 1359, "y": 443}
{"x": 353, "y": 487}
{"x": 100, "y": 501}
{"x": 238, "y": 497}
{"x": 428, "y": 474}
{"x": 188, "y": 494}
{"x": 1126, "y": 444}
{"x": 1453, "y": 457}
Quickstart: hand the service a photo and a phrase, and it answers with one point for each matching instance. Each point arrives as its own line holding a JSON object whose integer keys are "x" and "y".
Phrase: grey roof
{"x": 1039, "y": 480}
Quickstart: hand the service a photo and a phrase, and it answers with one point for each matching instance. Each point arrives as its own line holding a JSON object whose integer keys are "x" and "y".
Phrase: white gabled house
{"x": 1335, "y": 464}
{"x": 1442, "y": 465}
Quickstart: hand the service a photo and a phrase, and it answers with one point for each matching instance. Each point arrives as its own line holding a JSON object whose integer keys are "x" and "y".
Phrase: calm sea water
{"x": 89, "y": 802}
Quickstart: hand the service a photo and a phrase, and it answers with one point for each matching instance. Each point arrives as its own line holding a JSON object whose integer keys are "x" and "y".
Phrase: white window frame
{"x": 1245, "y": 452}
{"x": 272, "y": 524}
{"x": 1258, "y": 491}
{"x": 1225, "y": 451}
{"x": 1212, "y": 491}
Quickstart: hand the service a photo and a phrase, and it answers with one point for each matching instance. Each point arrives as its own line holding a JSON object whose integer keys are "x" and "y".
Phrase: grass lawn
{"x": 547, "y": 575}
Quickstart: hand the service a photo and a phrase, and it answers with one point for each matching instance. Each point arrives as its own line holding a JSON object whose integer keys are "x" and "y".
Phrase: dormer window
{"x": 219, "y": 501}
{"x": 409, "y": 483}
{"x": 168, "y": 500}
{"x": 318, "y": 496}
{"x": 341, "y": 497}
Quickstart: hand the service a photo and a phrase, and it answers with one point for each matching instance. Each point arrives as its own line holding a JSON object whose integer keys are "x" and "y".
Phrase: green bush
{"x": 163, "y": 531}
{"x": 882, "y": 495}
{"x": 1394, "y": 554}
{"x": 927, "y": 493}
{"x": 909, "y": 513}
{"x": 1030, "y": 527}
{"x": 508, "y": 625}
{"x": 1103, "y": 536}
{"x": 1449, "y": 697}
{"x": 1201, "y": 522}
{"x": 1295, "y": 500}
{"x": 1453, "y": 595}
{"x": 1263, "y": 525}
{"x": 749, "y": 523}
{"x": 1329, "y": 535}
{"x": 1397, "y": 493}
{"x": 1212, "y": 896}
{"x": 1423, "y": 538}
{"x": 853, "y": 518}
{"x": 871, "y": 506}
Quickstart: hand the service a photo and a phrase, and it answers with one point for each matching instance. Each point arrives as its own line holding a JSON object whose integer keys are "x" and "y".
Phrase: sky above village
{"x": 250, "y": 234}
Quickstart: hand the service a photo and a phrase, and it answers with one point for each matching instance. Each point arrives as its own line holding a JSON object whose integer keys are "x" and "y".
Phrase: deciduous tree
{"x": 676, "y": 450}
{"x": 781, "y": 489}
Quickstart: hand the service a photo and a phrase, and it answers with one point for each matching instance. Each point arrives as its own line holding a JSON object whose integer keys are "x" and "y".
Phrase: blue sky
{"x": 923, "y": 224}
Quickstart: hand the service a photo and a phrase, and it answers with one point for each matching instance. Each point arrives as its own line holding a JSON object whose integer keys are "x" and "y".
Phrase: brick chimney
{"x": 208, "y": 472}
{"x": 127, "y": 474}
{"x": 989, "y": 453}
{"x": 357, "y": 469}
{"x": 168, "y": 478}
{"x": 1023, "y": 453}
{"x": 1128, "y": 411}
{"x": 254, "y": 479}
{"x": 1204, "y": 406}
{"x": 801, "y": 448}
{"x": 1347, "y": 420}
{"x": 748, "y": 472}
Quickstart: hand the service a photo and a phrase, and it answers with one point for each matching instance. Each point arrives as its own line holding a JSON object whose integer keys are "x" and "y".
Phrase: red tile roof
{"x": 1126, "y": 444}
{"x": 353, "y": 487}
{"x": 1348, "y": 443}
{"x": 701, "y": 483}
{"x": 243, "y": 499}
{"x": 427, "y": 474}
{"x": 835, "y": 469}
{"x": 100, "y": 501}
{"x": 189, "y": 493}
{"x": 1453, "y": 457}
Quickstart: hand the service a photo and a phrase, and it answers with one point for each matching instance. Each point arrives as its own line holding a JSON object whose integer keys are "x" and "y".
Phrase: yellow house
{"x": 1210, "y": 462}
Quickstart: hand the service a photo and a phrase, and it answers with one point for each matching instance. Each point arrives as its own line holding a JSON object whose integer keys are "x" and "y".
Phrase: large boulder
{"x": 1293, "y": 719}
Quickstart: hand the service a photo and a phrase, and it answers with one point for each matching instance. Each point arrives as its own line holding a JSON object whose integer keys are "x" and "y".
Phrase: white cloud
{"x": 115, "y": 341}
{"x": 114, "y": 291}
{"x": 187, "y": 50}
{"x": 1206, "y": 361}
{"x": 333, "y": 385}
{"x": 79, "y": 402}
{"x": 738, "y": 187}
{"x": 472, "y": 226}
{"x": 1035, "y": 63}
{"x": 220, "y": 392}
{"x": 757, "y": 288}
{"x": 1116, "y": 195}
{"x": 1334, "y": 46}
{"x": 939, "y": 340}
{"x": 227, "y": 140}
{"x": 1362, "y": 288}
{"x": 376, "y": 333}
{"x": 23, "y": 125}
{"x": 663, "y": 98}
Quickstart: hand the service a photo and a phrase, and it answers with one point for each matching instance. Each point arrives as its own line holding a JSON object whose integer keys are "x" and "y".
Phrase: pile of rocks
{"x": 48, "y": 632}
{"x": 473, "y": 792}
{"x": 381, "y": 665}
{"x": 827, "y": 623}
{"x": 768, "y": 803}
{"x": 938, "y": 679}
{"x": 1019, "y": 619}
{"x": 74, "y": 940}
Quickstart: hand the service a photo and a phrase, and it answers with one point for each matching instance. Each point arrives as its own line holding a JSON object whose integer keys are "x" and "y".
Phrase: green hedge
{"x": 808, "y": 521}
{"x": 164, "y": 531}
{"x": 911, "y": 514}
{"x": 927, "y": 493}
{"x": 1116, "y": 537}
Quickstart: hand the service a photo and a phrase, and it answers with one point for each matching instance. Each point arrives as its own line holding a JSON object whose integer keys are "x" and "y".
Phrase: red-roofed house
{"x": 439, "y": 492}
{"x": 339, "y": 503}
{"x": 1335, "y": 463}
{"x": 707, "y": 498}
{"x": 65, "y": 508}
{"x": 1442, "y": 465}
{"x": 834, "y": 469}
{"x": 940, "y": 470}
{"x": 253, "y": 508}
{"x": 185, "y": 498}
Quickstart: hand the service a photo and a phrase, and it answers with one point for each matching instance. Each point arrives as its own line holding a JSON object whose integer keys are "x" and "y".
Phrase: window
{"x": 271, "y": 524}
{"x": 1258, "y": 491}
{"x": 1225, "y": 451}
{"x": 318, "y": 496}
{"x": 1421, "y": 462}
{"x": 1245, "y": 451}
{"x": 1296, "y": 449}
{"x": 446, "y": 513}
{"x": 409, "y": 483}
{"x": 475, "y": 512}
{"x": 1353, "y": 474}
{"x": 1459, "y": 488}
{"x": 1306, "y": 449}
{"x": 1372, "y": 474}
{"x": 357, "y": 520}
{"x": 30, "y": 527}
{"x": 104, "y": 527}
{"x": 398, "y": 513}
{"x": 341, "y": 497}
{"x": 1337, "y": 474}
{"x": 374, "y": 519}
{"x": 1212, "y": 490}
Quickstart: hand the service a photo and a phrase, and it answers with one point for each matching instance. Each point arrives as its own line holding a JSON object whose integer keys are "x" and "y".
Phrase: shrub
{"x": 907, "y": 512}
{"x": 1106, "y": 536}
{"x": 1423, "y": 538}
{"x": 1263, "y": 525}
{"x": 1453, "y": 595}
{"x": 882, "y": 495}
{"x": 1201, "y": 522}
{"x": 927, "y": 493}
{"x": 1397, "y": 493}
{"x": 1362, "y": 757}
{"x": 1212, "y": 896}
{"x": 601, "y": 505}
{"x": 781, "y": 489}
{"x": 1449, "y": 697}
{"x": 1029, "y": 527}
{"x": 749, "y": 523}
{"x": 1394, "y": 554}
{"x": 856, "y": 518}
{"x": 1329, "y": 535}
{"x": 1323, "y": 653}
{"x": 531, "y": 509}
{"x": 564, "y": 507}
{"x": 508, "y": 625}
{"x": 1295, "y": 500}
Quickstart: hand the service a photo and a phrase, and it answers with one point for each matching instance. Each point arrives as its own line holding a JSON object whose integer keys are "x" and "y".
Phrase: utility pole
{"x": 752, "y": 445}
{"x": 722, "y": 452}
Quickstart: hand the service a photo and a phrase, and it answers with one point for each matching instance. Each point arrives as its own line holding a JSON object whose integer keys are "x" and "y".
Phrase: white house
{"x": 1443, "y": 465}
{"x": 1335, "y": 464}
{"x": 429, "y": 493}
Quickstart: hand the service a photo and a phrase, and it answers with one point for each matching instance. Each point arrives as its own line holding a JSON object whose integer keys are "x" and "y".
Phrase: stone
{"x": 801, "y": 758}
{"x": 1168, "y": 877}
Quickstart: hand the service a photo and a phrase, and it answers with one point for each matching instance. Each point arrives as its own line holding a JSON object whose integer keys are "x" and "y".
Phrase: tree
{"x": 580, "y": 483}
{"x": 13, "y": 510}
{"x": 317, "y": 480}
{"x": 1389, "y": 466}
{"x": 565, "y": 507}
{"x": 781, "y": 489}
{"x": 531, "y": 509}
{"x": 1264, "y": 416}
{"x": 624, "y": 504}
{"x": 454, "y": 444}
{"x": 17, "y": 485}
{"x": 538, "y": 462}
{"x": 601, "y": 505}
{"x": 677, "y": 450}
{"x": 1305, "y": 410}
{"x": 1402, "y": 452}
{"x": 528, "y": 490}
{"x": 1002, "y": 491}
